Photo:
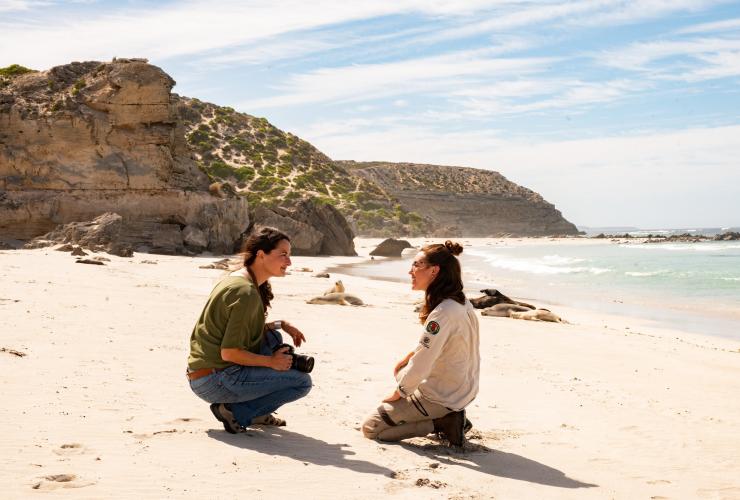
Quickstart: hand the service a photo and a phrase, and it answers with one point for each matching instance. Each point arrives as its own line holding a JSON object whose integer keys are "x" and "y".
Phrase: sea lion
{"x": 503, "y": 310}
{"x": 342, "y": 299}
{"x": 537, "y": 315}
{"x": 493, "y": 297}
{"x": 337, "y": 288}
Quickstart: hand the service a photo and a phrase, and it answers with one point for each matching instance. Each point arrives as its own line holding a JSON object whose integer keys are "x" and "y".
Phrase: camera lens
{"x": 303, "y": 363}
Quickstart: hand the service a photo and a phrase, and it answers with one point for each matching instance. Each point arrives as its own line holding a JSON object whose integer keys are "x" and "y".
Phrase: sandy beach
{"x": 96, "y": 404}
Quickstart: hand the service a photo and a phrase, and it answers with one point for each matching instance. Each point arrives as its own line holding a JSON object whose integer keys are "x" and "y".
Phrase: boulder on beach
{"x": 391, "y": 247}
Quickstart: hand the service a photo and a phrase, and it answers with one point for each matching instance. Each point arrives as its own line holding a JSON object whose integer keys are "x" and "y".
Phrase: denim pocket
{"x": 210, "y": 389}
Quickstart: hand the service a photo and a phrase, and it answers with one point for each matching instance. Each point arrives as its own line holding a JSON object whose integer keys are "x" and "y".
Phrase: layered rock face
{"x": 314, "y": 229}
{"x": 87, "y": 138}
{"x": 465, "y": 201}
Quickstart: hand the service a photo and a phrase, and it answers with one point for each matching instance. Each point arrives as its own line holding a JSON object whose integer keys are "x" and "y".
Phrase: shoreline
{"x": 602, "y": 407}
{"x": 697, "y": 316}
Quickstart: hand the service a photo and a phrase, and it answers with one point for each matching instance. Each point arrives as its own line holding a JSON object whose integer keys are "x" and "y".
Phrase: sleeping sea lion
{"x": 342, "y": 299}
{"x": 503, "y": 310}
{"x": 537, "y": 315}
{"x": 493, "y": 297}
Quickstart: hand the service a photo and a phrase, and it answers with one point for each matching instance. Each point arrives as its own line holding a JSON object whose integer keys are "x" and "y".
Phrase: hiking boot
{"x": 225, "y": 416}
{"x": 468, "y": 426}
{"x": 452, "y": 427}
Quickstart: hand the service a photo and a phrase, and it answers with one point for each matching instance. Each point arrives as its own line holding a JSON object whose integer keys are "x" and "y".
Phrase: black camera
{"x": 301, "y": 362}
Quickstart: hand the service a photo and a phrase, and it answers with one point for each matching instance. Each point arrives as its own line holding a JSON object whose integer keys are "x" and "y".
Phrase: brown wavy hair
{"x": 263, "y": 238}
{"x": 448, "y": 282}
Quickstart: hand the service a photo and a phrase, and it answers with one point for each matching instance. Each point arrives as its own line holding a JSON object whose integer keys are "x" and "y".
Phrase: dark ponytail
{"x": 448, "y": 282}
{"x": 266, "y": 239}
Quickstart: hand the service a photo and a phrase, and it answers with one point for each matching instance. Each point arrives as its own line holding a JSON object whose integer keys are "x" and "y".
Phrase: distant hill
{"x": 465, "y": 201}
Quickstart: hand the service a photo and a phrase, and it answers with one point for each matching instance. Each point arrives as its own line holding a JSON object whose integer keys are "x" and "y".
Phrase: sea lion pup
{"x": 503, "y": 310}
{"x": 337, "y": 288}
{"x": 537, "y": 315}
{"x": 343, "y": 299}
{"x": 493, "y": 297}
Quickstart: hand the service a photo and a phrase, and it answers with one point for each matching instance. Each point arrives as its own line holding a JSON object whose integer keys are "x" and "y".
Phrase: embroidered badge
{"x": 433, "y": 327}
{"x": 425, "y": 341}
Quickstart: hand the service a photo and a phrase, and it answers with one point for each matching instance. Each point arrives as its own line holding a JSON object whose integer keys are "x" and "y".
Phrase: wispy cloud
{"x": 718, "y": 26}
{"x": 372, "y": 81}
{"x": 21, "y": 5}
{"x": 526, "y": 96}
{"x": 187, "y": 28}
{"x": 688, "y": 60}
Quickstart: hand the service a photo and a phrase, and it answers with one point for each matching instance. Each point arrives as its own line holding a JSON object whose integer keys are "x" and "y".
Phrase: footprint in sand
{"x": 56, "y": 481}
{"x": 183, "y": 420}
{"x": 70, "y": 449}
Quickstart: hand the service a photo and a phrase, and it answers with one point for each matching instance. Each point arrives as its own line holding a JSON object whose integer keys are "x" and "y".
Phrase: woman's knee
{"x": 304, "y": 382}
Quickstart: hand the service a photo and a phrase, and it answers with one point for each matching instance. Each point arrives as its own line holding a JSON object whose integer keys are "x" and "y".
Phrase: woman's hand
{"x": 280, "y": 361}
{"x": 294, "y": 333}
{"x": 393, "y": 397}
{"x": 401, "y": 364}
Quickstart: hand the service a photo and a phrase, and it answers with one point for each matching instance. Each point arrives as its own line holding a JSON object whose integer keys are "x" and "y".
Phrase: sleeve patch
{"x": 425, "y": 341}
{"x": 433, "y": 327}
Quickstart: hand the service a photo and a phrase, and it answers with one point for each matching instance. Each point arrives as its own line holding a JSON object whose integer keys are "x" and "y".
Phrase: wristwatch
{"x": 277, "y": 325}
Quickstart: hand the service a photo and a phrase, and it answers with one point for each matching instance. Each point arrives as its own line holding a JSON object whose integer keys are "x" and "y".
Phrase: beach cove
{"x": 97, "y": 405}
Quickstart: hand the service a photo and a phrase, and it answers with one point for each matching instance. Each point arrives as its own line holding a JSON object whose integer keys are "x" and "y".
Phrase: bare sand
{"x": 96, "y": 405}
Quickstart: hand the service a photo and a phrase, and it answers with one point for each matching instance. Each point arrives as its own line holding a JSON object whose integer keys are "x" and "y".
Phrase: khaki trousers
{"x": 403, "y": 418}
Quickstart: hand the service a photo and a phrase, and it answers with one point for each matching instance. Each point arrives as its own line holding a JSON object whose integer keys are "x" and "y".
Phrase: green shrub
{"x": 244, "y": 173}
{"x": 275, "y": 191}
{"x": 292, "y": 195}
{"x": 220, "y": 169}
{"x": 79, "y": 85}
{"x": 15, "y": 70}
{"x": 253, "y": 198}
{"x": 240, "y": 144}
{"x": 262, "y": 184}
{"x": 284, "y": 170}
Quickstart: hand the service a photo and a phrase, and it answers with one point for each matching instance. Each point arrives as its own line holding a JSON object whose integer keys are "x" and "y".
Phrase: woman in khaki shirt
{"x": 440, "y": 377}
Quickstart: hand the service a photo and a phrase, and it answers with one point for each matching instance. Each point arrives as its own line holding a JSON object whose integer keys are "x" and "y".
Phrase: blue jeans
{"x": 252, "y": 391}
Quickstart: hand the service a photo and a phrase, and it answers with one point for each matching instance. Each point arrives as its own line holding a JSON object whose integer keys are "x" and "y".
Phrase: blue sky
{"x": 618, "y": 112}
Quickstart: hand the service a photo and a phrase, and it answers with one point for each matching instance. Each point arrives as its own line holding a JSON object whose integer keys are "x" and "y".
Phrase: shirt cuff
{"x": 402, "y": 392}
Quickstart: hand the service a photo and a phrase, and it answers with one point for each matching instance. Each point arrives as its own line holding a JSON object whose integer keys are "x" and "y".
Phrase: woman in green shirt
{"x": 232, "y": 364}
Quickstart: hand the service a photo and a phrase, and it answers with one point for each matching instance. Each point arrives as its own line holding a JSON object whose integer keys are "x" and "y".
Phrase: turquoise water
{"x": 692, "y": 286}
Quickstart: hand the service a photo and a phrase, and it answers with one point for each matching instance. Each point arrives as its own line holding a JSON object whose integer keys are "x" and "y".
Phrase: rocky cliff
{"x": 465, "y": 201}
{"x": 86, "y": 138}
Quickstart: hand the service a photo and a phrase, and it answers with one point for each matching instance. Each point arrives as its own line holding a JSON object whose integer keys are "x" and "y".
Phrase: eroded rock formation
{"x": 86, "y": 138}
{"x": 314, "y": 229}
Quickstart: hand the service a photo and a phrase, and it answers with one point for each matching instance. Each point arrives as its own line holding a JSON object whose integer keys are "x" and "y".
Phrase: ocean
{"x": 691, "y": 286}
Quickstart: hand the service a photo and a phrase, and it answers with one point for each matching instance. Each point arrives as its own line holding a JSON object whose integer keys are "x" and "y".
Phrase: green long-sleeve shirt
{"x": 233, "y": 317}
